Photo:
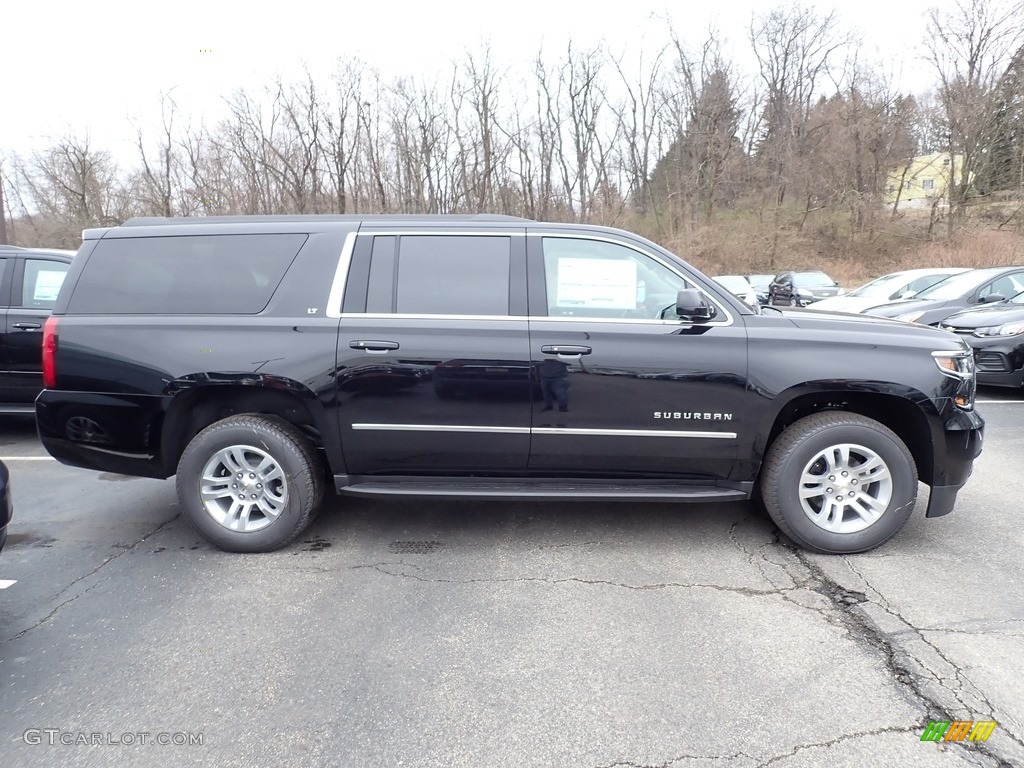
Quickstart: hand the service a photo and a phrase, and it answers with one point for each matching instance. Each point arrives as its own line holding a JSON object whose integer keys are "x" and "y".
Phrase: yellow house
{"x": 922, "y": 182}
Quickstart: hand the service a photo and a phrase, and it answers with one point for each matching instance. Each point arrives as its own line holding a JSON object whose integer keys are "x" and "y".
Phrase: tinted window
{"x": 1006, "y": 286}
{"x": 956, "y": 286}
{"x": 453, "y": 274}
{"x": 592, "y": 278}
{"x": 189, "y": 275}
{"x": 43, "y": 279}
{"x": 381, "y": 288}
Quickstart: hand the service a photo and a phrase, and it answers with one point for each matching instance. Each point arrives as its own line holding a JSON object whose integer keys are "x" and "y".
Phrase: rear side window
{"x": 453, "y": 275}
{"x": 188, "y": 275}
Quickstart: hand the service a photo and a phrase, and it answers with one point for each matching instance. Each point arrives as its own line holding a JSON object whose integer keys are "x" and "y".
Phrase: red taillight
{"x": 50, "y": 352}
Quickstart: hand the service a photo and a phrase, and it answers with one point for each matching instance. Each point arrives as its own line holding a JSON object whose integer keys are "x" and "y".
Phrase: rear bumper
{"x": 108, "y": 433}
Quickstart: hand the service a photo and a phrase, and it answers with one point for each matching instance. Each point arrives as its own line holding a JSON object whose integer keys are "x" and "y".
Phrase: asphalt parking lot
{"x": 515, "y": 634}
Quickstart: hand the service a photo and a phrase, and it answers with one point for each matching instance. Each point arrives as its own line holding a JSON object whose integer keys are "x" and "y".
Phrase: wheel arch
{"x": 906, "y": 413}
{"x": 193, "y": 409}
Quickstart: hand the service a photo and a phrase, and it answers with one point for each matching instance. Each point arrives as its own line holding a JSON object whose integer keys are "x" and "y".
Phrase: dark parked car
{"x": 798, "y": 289}
{"x": 964, "y": 291}
{"x": 6, "y": 506}
{"x": 30, "y": 279}
{"x": 996, "y": 332}
{"x": 266, "y": 361}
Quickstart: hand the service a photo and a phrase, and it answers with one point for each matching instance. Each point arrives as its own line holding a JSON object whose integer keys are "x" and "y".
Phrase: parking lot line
{"x": 5, "y": 583}
{"x": 998, "y": 402}
{"x": 27, "y": 458}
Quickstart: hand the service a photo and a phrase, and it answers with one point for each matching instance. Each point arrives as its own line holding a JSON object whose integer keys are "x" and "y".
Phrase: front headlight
{"x": 1007, "y": 329}
{"x": 960, "y": 366}
{"x": 910, "y": 317}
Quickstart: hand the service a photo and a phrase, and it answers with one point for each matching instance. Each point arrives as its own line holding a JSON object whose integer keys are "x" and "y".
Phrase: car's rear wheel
{"x": 250, "y": 483}
{"x": 839, "y": 482}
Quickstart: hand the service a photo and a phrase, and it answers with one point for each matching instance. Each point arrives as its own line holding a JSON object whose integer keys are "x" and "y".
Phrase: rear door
{"x": 34, "y": 287}
{"x": 434, "y": 371}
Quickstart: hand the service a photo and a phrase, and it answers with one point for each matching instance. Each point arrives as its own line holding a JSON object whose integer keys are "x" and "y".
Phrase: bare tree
{"x": 796, "y": 51}
{"x": 970, "y": 47}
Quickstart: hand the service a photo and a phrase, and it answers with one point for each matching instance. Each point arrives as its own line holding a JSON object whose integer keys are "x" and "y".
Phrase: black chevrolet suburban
{"x": 260, "y": 359}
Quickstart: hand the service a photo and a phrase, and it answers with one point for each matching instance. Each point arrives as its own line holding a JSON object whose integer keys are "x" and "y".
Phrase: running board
{"x": 563, "y": 490}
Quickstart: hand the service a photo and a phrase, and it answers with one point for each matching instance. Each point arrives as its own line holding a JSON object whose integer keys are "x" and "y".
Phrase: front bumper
{"x": 999, "y": 360}
{"x": 962, "y": 444}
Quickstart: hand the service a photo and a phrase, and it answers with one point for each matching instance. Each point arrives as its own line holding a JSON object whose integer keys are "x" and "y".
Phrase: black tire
{"x": 793, "y": 302}
{"x": 804, "y": 445}
{"x": 291, "y": 453}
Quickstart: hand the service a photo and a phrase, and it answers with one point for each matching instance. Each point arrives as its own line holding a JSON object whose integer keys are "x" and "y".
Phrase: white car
{"x": 739, "y": 287}
{"x": 888, "y": 288}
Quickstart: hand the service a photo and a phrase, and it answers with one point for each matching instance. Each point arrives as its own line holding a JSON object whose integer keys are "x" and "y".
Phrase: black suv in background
{"x": 30, "y": 279}
{"x": 798, "y": 289}
{"x": 264, "y": 360}
{"x": 996, "y": 333}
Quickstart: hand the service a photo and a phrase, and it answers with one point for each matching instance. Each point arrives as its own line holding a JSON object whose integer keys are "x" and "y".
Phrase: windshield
{"x": 760, "y": 281}
{"x": 733, "y": 282}
{"x": 1018, "y": 299}
{"x": 882, "y": 287}
{"x": 956, "y": 286}
{"x": 812, "y": 280}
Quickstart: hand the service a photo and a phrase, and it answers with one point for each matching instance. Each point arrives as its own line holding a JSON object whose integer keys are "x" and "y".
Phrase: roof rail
{"x": 144, "y": 221}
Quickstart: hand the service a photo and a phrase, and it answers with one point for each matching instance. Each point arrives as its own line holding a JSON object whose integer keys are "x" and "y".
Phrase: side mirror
{"x": 992, "y": 298}
{"x": 691, "y": 305}
{"x": 906, "y": 295}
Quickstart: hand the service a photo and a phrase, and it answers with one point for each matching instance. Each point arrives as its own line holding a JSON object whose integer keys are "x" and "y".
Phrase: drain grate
{"x": 414, "y": 547}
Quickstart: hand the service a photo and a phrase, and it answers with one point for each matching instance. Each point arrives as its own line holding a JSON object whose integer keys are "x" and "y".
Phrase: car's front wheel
{"x": 838, "y": 482}
{"x": 250, "y": 483}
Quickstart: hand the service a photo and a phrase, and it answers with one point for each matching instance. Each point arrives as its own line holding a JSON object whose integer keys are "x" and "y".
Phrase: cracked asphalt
{"x": 406, "y": 633}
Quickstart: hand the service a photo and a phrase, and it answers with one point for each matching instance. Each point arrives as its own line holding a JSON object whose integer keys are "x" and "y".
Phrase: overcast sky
{"x": 97, "y": 66}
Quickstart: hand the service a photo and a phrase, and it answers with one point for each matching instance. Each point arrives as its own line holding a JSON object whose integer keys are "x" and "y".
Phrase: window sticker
{"x": 596, "y": 283}
{"x": 48, "y": 283}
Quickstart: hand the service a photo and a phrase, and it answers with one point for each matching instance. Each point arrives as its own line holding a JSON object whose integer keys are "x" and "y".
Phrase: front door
{"x": 434, "y": 372}
{"x": 628, "y": 389}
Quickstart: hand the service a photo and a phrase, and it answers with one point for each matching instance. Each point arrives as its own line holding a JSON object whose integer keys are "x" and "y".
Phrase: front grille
{"x": 991, "y": 361}
{"x": 954, "y": 329}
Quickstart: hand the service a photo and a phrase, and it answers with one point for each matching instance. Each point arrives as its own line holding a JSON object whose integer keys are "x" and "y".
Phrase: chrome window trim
{"x": 540, "y": 232}
{"x": 532, "y": 318}
{"x": 341, "y": 276}
{"x": 337, "y": 293}
{"x": 439, "y": 232}
{"x": 542, "y": 430}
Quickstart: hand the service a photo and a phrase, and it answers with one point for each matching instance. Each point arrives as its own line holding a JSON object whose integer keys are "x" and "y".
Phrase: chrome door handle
{"x": 565, "y": 350}
{"x": 374, "y": 347}
{"x": 28, "y": 326}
